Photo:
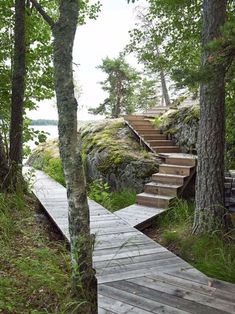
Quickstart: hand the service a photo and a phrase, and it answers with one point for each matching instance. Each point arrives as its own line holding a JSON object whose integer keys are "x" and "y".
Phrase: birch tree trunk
{"x": 81, "y": 241}
{"x": 209, "y": 213}
{"x": 18, "y": 89}
{"x": 84, "y": 280}
{"x": 165, "y": 93}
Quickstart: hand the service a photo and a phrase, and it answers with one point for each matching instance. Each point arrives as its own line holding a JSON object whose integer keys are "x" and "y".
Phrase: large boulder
{"x": 109, "y": 151}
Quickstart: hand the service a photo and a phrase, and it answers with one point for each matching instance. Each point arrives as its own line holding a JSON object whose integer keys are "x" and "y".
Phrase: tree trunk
{"x": 3, "y": 164}
{"x": 209, "y": 213}
{"x": 84, "y": 280}
{"x": 165, "y": 93}
{"x": 164, "y": 89}
{"x": 18, "y": 89}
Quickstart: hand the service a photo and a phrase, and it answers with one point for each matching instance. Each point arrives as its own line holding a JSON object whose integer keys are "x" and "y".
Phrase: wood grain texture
{"x": 136, "y": 274}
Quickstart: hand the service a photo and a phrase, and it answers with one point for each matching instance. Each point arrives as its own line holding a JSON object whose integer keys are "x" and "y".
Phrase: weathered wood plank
{"x": 185, "y": 293}
{"x": 115, "y": 306}
{"x": 135, "y": 274}
{"x": 152, "y": 306}
{"x": 165, "y": 298}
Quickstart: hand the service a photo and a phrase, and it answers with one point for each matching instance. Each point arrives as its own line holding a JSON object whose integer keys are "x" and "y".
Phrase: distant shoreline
{"x": 44, "y": 122}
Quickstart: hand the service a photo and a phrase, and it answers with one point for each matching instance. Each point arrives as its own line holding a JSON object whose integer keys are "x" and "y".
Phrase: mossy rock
{"x": 109, "y": 151}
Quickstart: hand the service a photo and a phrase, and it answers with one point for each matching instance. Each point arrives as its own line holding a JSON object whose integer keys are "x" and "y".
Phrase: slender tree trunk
{"x": 164, "y": 89}
{"x": 3, "y": 164}
{"x": 18, "y": 89}
{"x": 211, "y": 142}
{"x": 165, "y": 93}
{"x": 84, "y": 280}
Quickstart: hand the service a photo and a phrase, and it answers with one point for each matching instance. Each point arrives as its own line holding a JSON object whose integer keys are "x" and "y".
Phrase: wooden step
{"x": 141, "y": 122}
{"x": 166, "y": 149}
{"x": 152, "y": 137}
{"x": 182, "y": 161}
{"x": 151, "y": 132}
{"x": 148, "y": 127}
{"x": 168, "y": 178}
{"x": 153, "y": 200}
{"x": 133, "y": 117}
{"x": 157, "y": 143}
{"x": 162, "y": 189}
{"x": 175, "y": 169}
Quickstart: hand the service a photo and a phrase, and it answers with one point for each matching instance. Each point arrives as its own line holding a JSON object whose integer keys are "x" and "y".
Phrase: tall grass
{"x": 35, "y": 271}
{"x": 213, "y": 254}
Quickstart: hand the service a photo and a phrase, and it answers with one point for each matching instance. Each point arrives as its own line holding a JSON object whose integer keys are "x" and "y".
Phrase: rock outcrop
{"x": 110, "y": 152}
{"x": 182, "y": 126}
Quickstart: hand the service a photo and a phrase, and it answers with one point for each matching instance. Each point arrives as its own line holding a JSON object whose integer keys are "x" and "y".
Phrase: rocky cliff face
{"x": 182, "y": 126}
{"x": 110, "y": 152}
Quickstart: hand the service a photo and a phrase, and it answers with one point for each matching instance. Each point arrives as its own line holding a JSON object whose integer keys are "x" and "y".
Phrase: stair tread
{"x": 156, "y": 196}
{"x": 178, "y": 166}
{"x": 179, "y": 155}
{"x": 169, "y": 175}
{"x": 164, "y": 185}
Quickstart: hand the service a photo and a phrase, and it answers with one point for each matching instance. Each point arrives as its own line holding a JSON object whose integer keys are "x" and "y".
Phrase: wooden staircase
{"x": 149, "y": 135}
{"x": 170, "y": 182}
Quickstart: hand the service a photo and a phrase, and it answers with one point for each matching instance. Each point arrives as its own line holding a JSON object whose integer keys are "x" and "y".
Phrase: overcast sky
{"x": 106, "y": 36}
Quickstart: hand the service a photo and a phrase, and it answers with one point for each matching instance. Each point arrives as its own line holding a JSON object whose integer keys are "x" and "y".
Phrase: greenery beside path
{"x": 213, "y": 254}
{"x": 35, "y": 270}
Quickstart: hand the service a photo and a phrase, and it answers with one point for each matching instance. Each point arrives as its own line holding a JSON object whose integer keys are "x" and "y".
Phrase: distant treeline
{"x": 44, "y": 122}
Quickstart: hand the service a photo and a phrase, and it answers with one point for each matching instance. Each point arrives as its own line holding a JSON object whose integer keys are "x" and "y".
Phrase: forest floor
{"x": 213, "y": 254}
{"x": 34, "y": 261}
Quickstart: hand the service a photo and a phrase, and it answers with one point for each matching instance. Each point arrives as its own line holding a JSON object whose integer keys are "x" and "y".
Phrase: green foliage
{"x": 157, "y": 122}
{"x": 120, "y": 85}
{"x": 99, "y": 191}
{"x": 50, "y": 165}
{"x": 122, "y": 199}
{"x": 35, "y": 271}
{"x": 55, "y": 170}
{"x": 181, "y": 212}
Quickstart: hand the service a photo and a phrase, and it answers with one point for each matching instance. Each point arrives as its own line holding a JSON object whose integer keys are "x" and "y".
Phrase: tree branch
{"x": 43, "y": 13}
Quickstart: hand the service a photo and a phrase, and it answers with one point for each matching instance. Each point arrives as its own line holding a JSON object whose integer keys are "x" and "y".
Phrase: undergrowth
{"x": 35, "y": 269}
{"x": 213, "y": 254}
{"x": 100, "y": 192}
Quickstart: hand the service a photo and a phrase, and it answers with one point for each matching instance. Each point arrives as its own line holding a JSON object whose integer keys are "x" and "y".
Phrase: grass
{"x": 34, "y": 262}
{"x": 213, "y": 254}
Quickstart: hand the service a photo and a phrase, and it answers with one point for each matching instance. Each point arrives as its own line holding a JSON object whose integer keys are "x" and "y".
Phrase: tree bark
{"x": 164, "y": 89}
{"x": 209, "y": 213}
{"x": 18, "y": 89}
{"x": 3, "y": 164}
{"x": 84, "y": 280}
{"x": 165, "y": 93}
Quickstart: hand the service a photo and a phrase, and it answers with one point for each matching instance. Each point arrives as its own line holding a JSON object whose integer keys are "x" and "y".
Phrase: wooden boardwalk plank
{"x": 136, "y": 274}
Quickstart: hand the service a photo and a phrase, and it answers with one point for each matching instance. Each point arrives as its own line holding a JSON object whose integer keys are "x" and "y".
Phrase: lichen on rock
{"x": 182, "y": 126}
{"x": 110, "y": 152}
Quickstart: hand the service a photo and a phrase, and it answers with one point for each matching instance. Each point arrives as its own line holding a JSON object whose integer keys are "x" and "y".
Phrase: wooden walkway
{"x": 135, "y": 274}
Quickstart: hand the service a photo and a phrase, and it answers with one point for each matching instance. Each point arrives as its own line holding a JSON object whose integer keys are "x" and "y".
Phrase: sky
{"x": 94, "y": 41}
